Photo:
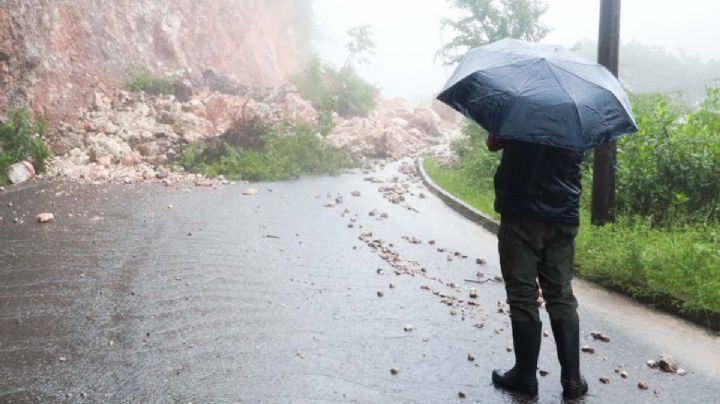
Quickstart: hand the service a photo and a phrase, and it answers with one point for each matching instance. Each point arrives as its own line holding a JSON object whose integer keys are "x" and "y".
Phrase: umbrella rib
{"x": 577, "y": 112}
{"x": 594, "y": 85}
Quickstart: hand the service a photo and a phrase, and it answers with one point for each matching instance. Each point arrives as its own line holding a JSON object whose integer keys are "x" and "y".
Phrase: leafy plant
{"x": 670, "y": 169}
{"x": 344, "y": 91}
{"x": 256, "y": 152}
{"x": 485, "y": 21}
{"x": 21, "y": 139}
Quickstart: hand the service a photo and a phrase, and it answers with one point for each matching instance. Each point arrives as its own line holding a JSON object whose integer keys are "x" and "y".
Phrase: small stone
{"x": 250, "y": 192}
{"x": 355, "y": 193}
{"x": 543, "y": 373}
{"x": 45, "y": 218}
{"x": 588, "y": 349}
{"x": 681, "y": 372}
{"x": 604, "y": 380}
{"x": 408, "y": 328}
{"x": 499, "y": 278}
{"x": 546, "y": 334}
{"x": 600, "y": 336}
{"x": 509, "y": 349}
{"x": 380, "y": 293}
{"x": 394, "y": 371}
{"x": 657, "y": 392}
{"x": 62, "y": 359}
{"x": 431, "y": 242}
{"x": 480, "y": 261}
{"x": 471, "y": 358}
{"x": 643, "y": 385}
{"x": 667, "y": 364}
{"x": 624, "y": 374}
{"x": 473, "y": 294}
{"x": 391, "y": 286}
{"x": 652, "y": 364}
{"x": 461, "y": 395}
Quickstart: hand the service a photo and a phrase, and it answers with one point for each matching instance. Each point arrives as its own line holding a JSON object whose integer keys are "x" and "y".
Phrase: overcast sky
{"x": 407, "y": 33}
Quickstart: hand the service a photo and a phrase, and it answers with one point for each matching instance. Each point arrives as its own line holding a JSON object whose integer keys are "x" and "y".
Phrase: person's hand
{"x": 493, "y": 144}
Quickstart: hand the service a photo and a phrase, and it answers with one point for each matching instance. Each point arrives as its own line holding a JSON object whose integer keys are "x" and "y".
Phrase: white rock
{"x": 20, "y": 172}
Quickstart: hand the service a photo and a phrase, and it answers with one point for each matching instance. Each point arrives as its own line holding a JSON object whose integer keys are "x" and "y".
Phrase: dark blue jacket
{"x": 541, "y": 183}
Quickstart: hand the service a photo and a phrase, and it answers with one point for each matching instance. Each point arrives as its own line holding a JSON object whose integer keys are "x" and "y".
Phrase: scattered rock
{"x": 473, "y": 294}
{"x": 250, "y": 192}
{"x": 624, "y": 374}
{"x": 604, "y": 380}
{"x": 461, "y": 395}
{"x": 643, "y": 385}
{"x": 394, "y": 371}
{"x": 408, "y": 328}
{"x": 600, "y": 336}
{"x": 380, "y": 293}
{"x": 681, "y": 372}
{"x": 543, "y": 373}
{"x": 480, "y": 261}
{"x": 471, "y": 358}
{"x": 588, "y": 349}
{"x": 45, "y": 218}
{"x": 667, "y": 364}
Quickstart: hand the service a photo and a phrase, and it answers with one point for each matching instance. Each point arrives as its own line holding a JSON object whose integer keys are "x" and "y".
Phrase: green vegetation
{"x": 665, "y": 245}
{"x": 21, "y": 139}
{"x": 485, "y": 21}
{"x": 256, "y": 152}
{"x": 342, "y": 91}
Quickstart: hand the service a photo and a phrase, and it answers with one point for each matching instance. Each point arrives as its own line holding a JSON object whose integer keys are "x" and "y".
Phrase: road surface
{"x": 145, "y": 294}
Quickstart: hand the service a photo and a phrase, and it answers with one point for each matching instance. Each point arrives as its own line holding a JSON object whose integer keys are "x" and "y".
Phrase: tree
{"x": 361, "y": 45}
{"x": 486, "y": 21}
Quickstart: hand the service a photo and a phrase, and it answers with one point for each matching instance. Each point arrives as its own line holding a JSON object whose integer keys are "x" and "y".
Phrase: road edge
{"x": 470, "y": 213}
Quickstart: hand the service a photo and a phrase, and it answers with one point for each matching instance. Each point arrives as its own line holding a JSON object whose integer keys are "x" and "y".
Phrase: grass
{"x": 677, "y": 266}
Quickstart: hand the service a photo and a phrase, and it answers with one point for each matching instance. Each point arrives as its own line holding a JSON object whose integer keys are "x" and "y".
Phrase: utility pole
{"x": 603, "y": 190}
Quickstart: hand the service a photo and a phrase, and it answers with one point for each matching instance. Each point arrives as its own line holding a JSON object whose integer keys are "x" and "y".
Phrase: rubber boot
{"x": 522, "y": 378}
{"x": 567, "y": 339}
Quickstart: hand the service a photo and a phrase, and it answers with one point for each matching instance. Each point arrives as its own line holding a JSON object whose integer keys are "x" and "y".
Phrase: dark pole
{"x": 603, "y": 190}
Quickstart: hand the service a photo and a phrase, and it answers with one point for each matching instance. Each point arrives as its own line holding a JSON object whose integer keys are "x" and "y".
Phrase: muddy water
{"x": 154, "y": 294}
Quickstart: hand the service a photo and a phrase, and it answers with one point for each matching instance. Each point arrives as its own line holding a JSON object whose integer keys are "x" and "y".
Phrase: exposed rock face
{"x": 53, "y": 54}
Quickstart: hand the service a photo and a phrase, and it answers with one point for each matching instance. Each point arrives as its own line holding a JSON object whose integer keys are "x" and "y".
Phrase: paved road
{"x": 152, "y": 294}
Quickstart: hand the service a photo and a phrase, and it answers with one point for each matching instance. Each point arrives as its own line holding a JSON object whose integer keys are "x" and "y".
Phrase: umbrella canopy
{"x": 541, "y": 94}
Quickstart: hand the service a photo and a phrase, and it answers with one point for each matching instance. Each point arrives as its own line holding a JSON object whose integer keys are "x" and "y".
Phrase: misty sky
{"x": 407, "y": 33}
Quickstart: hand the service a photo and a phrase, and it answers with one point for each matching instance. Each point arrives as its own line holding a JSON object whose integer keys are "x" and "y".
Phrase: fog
{"x": 407, "y": 34}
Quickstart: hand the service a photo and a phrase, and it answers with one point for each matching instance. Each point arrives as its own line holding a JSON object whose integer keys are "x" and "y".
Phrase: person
{"x": 537, "y": 194}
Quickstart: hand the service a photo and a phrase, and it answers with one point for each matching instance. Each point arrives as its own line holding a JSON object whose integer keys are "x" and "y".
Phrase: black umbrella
{"x": 541, "y": 94}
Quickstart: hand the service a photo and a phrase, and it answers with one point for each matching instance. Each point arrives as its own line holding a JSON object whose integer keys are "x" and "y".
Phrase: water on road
{"x": 151, "y": 294}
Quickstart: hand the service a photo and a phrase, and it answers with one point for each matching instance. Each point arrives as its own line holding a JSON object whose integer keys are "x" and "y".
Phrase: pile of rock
{"x": 132, "y": 135}
{"x": 396, "y": 129}
{"x": 128, "y": 136}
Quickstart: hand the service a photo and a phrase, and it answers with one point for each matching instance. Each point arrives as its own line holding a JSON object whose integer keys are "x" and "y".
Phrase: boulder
{"x": 101, "y": 145}
{"x": 20, "y": 172}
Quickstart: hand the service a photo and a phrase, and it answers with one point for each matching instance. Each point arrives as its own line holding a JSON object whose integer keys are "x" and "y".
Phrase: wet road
{"x": 144, "y": 294}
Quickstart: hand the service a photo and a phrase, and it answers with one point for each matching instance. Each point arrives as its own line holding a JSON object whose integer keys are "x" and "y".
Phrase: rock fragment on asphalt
{"x": 643, "y": 385}
{"x": 588, "y": 349}
{"x": 599, "y": 336}
{"x": 45, "y": 218}
{"x": 667, "y": 364}
{"x": 604, "y": 380}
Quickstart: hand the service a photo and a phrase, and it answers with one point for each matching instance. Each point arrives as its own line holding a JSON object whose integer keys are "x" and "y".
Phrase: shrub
{"x": 21, "y": 139}
{"x": 670, "y": 169}
{"x": 256, "y": 152}
{"x": 343, "y": 91}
